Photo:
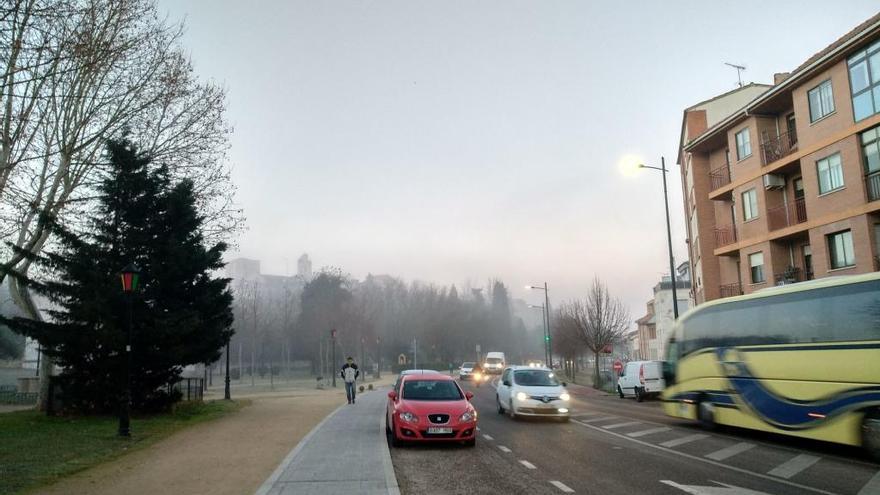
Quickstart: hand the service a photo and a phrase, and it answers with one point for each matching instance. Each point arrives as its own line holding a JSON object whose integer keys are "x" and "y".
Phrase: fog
{"x": 453, "y": 141}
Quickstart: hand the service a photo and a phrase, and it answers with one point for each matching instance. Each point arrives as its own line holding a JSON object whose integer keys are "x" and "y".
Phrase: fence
{"x": 191, "y": 389}
{"x": 9, "y": 395}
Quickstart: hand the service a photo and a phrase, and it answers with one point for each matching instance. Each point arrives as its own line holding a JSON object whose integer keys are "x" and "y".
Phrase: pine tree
{"x": 181, "y": 314}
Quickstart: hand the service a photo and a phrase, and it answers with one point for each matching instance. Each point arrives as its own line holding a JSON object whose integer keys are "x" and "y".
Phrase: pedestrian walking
{"x": 350, "y": 374}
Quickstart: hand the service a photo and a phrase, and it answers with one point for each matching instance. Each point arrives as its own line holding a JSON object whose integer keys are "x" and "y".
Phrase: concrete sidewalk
{"x": 346, "y": 453}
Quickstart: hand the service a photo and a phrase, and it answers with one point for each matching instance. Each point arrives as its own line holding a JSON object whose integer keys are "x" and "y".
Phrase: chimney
{"x": 779, "y": 77}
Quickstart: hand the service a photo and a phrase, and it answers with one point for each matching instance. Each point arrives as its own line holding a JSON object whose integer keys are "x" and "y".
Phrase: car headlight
{"x": 564, "y": 396}
{"x": 521, "y": 396}
{"x": 409, "y": 417}
{"x": 468, "y": 416}
{"x": 477, "y": 375}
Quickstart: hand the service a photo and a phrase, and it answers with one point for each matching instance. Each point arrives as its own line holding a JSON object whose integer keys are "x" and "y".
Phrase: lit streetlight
{"x": 130, "y": 276}
{"x": 547, "y": 351}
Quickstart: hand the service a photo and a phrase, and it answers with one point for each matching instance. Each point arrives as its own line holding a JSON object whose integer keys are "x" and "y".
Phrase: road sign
{"x": 618, "y": 366}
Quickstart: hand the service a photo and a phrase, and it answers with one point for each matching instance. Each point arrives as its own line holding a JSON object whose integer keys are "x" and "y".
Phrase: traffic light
{"x": 546, "y": 338}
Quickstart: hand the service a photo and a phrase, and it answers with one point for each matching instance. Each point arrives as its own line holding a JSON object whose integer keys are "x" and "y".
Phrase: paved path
{"x": 346, "y": 453}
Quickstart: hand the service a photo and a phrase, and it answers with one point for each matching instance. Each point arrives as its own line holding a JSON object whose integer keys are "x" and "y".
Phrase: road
{"x": 618, "y": 446}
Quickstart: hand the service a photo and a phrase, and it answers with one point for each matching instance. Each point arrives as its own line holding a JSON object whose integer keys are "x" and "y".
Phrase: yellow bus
{"x": 801, "y": 360}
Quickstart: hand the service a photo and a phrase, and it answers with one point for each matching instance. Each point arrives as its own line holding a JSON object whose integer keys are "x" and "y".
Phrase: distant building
{"x": 304, "y": 267}
{"x": 243, "y": 269}
{"x": 656, "y": 326}
{"x": 647, "y": 334}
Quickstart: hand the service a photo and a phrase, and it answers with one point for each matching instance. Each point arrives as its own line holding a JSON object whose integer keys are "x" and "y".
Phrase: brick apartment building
{"x": 782, "y": 183}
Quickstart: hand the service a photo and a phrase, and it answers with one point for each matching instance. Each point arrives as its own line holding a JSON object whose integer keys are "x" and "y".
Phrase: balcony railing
{"x": 775, "y": 148}
{"x": 789, "y": 276}
{"x": 787, "y": 214}
{"x": 725, "y": 235}
{"x": 872, "y": 185}
{"x": 720, "y": 177}
{"x": 730, "y": 290}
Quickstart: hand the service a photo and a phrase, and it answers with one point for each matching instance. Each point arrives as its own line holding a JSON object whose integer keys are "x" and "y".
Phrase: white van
{"x": 641, "y": 379}
{"x": 494, "y": 363}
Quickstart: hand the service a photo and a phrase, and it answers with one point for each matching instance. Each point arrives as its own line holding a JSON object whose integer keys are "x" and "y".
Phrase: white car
{"x": 641, "y": 379}
{"x": 531, "y": 391}
{"x": 466, "y": 371}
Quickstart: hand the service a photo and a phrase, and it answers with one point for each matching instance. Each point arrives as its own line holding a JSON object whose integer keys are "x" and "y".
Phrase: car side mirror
{"x": 564, "y": 384}
{"x": 392, "y": 395}
{"x": 468, "y": 395}
{"x": 506, "y": 383}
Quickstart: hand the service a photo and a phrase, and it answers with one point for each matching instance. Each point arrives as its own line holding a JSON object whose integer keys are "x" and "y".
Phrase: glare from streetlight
{"x": 630, "y": 165}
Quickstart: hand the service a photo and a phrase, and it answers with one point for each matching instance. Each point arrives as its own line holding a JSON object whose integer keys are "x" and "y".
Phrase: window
{"x": 750, "y": 205}
{"x": 821, "y": 101}
{"x": 756, "y": 262}
{"x": 840, "y": 249}
{"x": 870, "y": 141}
{"x": 743, "y": 144}
{"x": 535, "y": 378}
{"x": 830, "y": 173}
{"x": 864, "y": 81}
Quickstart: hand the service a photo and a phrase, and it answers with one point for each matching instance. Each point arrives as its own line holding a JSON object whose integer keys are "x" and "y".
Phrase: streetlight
{"x": 227, "y": 394}
{"x": 547, "y": 351}
{"x": 543, "y": 325}
{"x": 130, "y": 276}
{"x": 663, "y": 170}
{"x": 378, "y": 357}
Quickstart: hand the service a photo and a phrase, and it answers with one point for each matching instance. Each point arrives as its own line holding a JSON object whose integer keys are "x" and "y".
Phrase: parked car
{"x": 641, "y": 379}
{"x": 494, "y": 363}
{"x": 427, "y": 407}
{"x": 531, "y": 391}
{"x": 466, "y": 371}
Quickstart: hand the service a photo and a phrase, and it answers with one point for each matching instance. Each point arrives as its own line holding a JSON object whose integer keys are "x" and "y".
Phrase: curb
{"x": 390, "y": 477}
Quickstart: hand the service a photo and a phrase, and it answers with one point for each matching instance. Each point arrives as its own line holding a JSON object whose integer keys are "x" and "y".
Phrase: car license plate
{"x": 437, "y": 430}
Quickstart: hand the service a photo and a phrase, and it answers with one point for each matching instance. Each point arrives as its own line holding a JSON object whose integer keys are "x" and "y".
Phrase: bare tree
{"x": 598, "y": 321}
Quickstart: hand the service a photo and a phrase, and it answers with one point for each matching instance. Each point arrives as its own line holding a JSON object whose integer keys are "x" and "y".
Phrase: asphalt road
{"x": 616, "y": 446}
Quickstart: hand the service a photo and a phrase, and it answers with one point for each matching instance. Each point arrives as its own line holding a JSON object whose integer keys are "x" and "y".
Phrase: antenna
{"x": 739, "y": 69}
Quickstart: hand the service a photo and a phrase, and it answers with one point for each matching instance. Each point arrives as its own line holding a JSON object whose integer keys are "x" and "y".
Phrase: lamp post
{"x": 663, "y": 171}
{"x": 333, "y": 355}
{"x": 130, "y": 276}
{"x": 548, "y": 354}
{"x": 543, "y": 324}
{"x": 378, "y": 358}
{"x": 227, "y": 394}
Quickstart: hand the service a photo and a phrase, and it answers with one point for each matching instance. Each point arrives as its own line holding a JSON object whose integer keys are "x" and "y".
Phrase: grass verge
{"x": 36, "y": 450}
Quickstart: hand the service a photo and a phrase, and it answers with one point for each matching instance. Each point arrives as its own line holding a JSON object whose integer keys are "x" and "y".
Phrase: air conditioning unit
{"x": 774, "y": 181}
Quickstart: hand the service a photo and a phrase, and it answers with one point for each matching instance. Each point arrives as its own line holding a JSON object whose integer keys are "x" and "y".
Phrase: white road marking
{"x": 585, "y": 414}
{"x": 642, "y": 433}
{"x": 527, "y": 464}
{"x": 684, "y": 440}
{"x": 794, "y": 466}
{"x": 872, "y": 487}
{"x": 621, "y": 425}
{"x": 596, "y": 420}
{"x": 802, "y": 487}
{"x": 487, "y": 437}
{"x": 724, "y": 489}
{"x": 561, "y": 486}
{"x": 504, "y": 449}
{"x": 731, "y": 451}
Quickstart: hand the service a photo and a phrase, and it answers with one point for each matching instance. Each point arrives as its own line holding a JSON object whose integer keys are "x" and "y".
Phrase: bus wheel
{"x": 871, "y": 433}
{"x": 706, "y": 415}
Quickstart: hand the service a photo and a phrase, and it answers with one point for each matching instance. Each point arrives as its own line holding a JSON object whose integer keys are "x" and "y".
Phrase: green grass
{"x": 36, "y": 450}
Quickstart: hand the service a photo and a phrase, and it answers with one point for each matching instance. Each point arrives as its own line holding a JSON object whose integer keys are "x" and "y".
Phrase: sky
{"x": 453, "y": 141}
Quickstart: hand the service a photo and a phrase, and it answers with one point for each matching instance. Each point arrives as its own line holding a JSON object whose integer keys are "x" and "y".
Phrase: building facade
{"x": 786, "y": 188}
{"x": 654, "y": 329}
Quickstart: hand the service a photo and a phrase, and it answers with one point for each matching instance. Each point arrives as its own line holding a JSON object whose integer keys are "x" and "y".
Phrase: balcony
{"x": 778, "y": 147}
{"x": 791, "y": 275}
{"x": 872, "y": 186}
{"x": 725, "y": 235}
{"x": 787, "y": 214}
{"x": 720, "y": 177}
{"x": 730, "y": 290}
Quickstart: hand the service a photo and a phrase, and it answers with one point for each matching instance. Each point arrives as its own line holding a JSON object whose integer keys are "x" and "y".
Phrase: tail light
{"x": 642, "y": 374}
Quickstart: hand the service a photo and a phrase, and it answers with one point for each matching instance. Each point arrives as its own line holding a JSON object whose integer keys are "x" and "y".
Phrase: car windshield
{"x": 493, "y": 360}
{"x": 535, "y": 378}
{"x": 431, "y": 390}
{"x": 467, "y": 365}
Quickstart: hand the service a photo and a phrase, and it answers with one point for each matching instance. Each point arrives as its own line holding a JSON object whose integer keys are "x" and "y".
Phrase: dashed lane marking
{"x": 794, "y": 466}
{"x": 731, "y": 451}
{"x": 527, "y": 464}
{"x": 487, "y": 437}
{"x": 651, "y": 431}
{"x": 684, "y": 440}
{"x": 599, "y": 419}
{"x": 561, "y": 486}
{"x": 872, "y": 487}
{"x": 504, "y": 449}
{"x": 621, "y": 425}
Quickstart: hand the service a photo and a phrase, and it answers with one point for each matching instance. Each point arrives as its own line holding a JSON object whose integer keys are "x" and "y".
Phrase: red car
{"x": 430, "y": 408}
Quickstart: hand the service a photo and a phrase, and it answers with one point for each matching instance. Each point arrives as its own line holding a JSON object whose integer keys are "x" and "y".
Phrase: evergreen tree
{"x": 181, "y": 314}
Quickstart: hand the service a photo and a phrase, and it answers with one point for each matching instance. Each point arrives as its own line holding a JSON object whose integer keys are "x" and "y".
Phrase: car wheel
{"x": 620, "y": 391}
{"x": 871, "y": 433}
{"x": 500, "y": 407}
{"x": 640, "y": 396}
{"x": 395, "y": 442}
{"x": 387, "y": 428}
{"x": 564, "y": 419}
{"x": 511, "y": 412}
{"x": 706, "y": 415}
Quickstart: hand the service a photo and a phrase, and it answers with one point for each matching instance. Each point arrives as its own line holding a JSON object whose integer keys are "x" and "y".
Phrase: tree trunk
{"x": 597, "y": 383}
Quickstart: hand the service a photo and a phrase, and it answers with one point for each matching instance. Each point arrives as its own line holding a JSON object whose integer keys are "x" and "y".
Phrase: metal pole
{"x": 547, "y": 339}
{"x": 333, "y": 354}
{"x": 669, "y": 238}
{"x": 378, "y": 357}
{"x": 363, "y": 359}
{"x": 125, "y": 412}
{"x": 227, "y": 393}
{"x": 544, "y": 325}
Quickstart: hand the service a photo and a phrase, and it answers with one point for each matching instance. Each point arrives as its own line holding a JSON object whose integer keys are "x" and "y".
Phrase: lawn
{"x": 36, "y": 450}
